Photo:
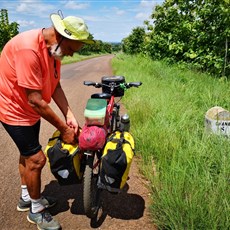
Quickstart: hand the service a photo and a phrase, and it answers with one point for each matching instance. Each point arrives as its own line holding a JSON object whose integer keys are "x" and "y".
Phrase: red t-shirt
{"x": 25, "y": 63}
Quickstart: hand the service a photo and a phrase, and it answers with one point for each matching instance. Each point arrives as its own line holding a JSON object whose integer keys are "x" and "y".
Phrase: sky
{"x": 107, "y": 20}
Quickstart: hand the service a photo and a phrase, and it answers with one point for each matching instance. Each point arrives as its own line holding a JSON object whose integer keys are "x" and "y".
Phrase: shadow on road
{"x": 64, "y": 194}
{"x": 124, "y": 205}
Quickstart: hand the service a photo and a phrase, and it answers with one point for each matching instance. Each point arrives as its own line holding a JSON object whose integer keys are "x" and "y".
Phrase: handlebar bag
{"x": 116, "y": 161}
{"x": 64, "y": 160}
{"x": 107, "y": 81}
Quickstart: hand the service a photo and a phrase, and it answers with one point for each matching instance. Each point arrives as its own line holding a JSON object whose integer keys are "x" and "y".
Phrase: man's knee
{"x": 36, "y": 161}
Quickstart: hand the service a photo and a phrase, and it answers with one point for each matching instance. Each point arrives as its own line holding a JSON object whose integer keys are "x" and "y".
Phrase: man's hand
{"x": 68, "y": 135}
{"x": 61, "y": 101}
{"x": 72, "y": 123}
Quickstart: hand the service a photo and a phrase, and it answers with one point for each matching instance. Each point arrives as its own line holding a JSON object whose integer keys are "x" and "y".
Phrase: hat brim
{"x": 59, "y": 26}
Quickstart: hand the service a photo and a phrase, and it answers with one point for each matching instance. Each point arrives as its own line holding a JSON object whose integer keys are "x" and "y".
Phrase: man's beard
{"x": 56, "y": 52}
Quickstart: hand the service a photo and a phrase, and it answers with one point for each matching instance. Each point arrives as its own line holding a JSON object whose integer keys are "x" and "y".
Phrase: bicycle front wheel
{"x": 87, "y": 190}
{"x": 90, "y": 192}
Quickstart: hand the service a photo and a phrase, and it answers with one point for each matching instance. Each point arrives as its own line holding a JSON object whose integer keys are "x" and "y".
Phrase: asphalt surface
{"x": 128, "y": 210}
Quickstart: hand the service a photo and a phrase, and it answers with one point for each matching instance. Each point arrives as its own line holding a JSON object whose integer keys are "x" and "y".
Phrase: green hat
{"x": 71, "y": 27}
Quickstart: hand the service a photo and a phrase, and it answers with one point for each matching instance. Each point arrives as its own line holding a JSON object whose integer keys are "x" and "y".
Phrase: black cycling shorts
{"x": 25, "y": 137}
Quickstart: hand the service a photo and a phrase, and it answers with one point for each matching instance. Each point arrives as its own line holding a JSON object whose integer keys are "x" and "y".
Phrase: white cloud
{"x": 145, "y": 9}
{"x": 92, "y": 18}
{"x": 75, "y": 5}
{"x": 24, "y": 23}
{"x": 118, "y": 11}
{"x": 33, "y": 7}
{"x": 141, "y": 16}
{"x": 151, "y": 4}
{"x": 22, "y": 7}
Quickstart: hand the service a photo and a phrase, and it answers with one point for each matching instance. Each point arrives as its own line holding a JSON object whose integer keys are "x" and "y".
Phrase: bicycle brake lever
{"x": 98, "y": 85}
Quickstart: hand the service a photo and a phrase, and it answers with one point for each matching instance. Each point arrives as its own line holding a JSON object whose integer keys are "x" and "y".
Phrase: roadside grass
{"x": 78, "y": 57}
{"x": 189, "y": 170}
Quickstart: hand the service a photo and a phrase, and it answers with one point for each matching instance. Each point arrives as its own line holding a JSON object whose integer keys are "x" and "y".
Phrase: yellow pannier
{"x": 64, "y": 160}
{"x": 116, "y": 161}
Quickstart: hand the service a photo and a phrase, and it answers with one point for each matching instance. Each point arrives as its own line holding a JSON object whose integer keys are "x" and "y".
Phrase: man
{"x": 29, "y": 78}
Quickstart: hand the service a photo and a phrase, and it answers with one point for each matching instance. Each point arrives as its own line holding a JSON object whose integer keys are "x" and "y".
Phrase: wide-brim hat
{"x": 71, "y": 27}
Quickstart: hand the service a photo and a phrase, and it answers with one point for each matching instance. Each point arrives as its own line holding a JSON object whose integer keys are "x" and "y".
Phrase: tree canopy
{"x": 134, "y": 42}
{"x": 191, "y": 31}
{"x": 7, "y": 30}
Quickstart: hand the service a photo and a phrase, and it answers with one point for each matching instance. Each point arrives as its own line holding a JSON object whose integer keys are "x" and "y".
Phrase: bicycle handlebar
{"x": 126, "y": 85}
{"x": 90, "y": 83}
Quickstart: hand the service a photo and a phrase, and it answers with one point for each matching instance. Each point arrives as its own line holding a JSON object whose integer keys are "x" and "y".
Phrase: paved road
{"x": 125, "y": 211}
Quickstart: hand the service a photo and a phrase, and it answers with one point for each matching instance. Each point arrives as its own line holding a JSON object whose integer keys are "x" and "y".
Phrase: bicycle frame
{"x": 110, "y": 105}
{"x": 112, "y": 113}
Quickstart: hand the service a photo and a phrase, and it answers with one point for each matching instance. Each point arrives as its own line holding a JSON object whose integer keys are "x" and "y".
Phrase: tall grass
{"x": 189, "y": 170}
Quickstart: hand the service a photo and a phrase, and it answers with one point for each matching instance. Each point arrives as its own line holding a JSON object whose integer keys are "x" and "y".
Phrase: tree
{"x": 134, "y": 42}
{"x": 7, "y": 30}
{"x": 98, "y": 47}
{"x": 116, "y": 47}
{"x": 194, "y": 31}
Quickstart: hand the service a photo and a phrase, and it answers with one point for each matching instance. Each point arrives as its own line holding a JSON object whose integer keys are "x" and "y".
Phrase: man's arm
{"x": 61, "y": 101}
{"x": 41, "y": 107}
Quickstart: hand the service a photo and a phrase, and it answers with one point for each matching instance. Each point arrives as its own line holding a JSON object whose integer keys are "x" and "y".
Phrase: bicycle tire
{"x": 90, "y": 193}
{"x": 87, "y": 190}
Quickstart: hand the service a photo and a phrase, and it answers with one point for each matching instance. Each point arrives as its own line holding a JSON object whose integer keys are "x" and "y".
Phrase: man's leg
{"x": 31, "y": 162}
{"x": 30, "y": 171}
{"x": 32, "y": 174}
{"x": 25, "y": 197}
{"x": 22, "y": 169}
{"x": 25, "y": 200}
